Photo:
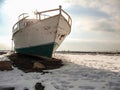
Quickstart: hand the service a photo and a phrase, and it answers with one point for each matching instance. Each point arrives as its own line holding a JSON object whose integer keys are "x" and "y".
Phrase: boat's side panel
{"x": 40, "y": 33}
{"x": 62, "y": 31}
{"x": 40, "y": 50}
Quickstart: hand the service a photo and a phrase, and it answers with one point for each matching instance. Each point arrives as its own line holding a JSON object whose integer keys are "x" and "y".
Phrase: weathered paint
{"x": 40, "y": 50}
{"x": 39, "y": 33}
{"x": 38, "y": 38}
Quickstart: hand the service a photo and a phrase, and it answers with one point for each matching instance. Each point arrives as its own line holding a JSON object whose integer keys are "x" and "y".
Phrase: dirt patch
{"x": 5, "y": 65}
{"x": 29, "y": 63}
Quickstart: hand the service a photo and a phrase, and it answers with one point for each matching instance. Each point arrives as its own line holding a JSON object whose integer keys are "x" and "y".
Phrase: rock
{"x": 39, "y": 86}
{"x": 38, "y": 65}
{"x": 28, "y": 63}
{"x": 5, "y": 65}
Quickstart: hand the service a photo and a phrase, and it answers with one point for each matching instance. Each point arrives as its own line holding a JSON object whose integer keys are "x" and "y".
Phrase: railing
{"x": 68, "y": 18}
{"x": 21, "y": 17}
{"x": 40, "y": 16}
{"x": 53, "y": 12}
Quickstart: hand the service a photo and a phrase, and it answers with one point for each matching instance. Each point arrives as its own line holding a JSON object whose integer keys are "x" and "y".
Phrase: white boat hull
{"x": 42, "y": 37}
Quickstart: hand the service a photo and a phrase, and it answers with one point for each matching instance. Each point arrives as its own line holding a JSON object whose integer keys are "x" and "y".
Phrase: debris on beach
{"x": 31, "y": 63}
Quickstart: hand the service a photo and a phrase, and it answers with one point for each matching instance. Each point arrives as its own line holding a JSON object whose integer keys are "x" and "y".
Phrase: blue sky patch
{"x": 1, "y": 20}
{"x": 1, "y": 2}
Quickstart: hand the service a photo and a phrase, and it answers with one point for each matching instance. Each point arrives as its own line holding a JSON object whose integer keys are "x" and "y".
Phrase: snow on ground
{"x": 80, "y": 72}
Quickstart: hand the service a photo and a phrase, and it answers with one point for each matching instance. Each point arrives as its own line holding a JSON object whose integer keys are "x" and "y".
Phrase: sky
{"x": 95, "y": 23}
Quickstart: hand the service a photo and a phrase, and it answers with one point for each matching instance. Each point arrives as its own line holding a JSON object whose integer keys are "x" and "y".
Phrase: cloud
{"x": 97, "y": 24}
{"x": 86, "y": 23}
{"x": 107, "y": 11}
{"x": 99, "y": 4}
{"x": 78, "y": 10}
{"x": 95, "y": 30}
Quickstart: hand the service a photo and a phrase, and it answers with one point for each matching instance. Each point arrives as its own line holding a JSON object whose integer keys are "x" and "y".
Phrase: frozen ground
{"x": 80, "y": 72}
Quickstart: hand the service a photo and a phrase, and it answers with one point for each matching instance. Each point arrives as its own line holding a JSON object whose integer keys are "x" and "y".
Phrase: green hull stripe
{"x": 41, "y": 50}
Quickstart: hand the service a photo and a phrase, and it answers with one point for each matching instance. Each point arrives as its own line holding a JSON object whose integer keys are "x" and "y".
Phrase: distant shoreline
{"x": 75, "y": 52}
{"x": 87, "y": 52}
